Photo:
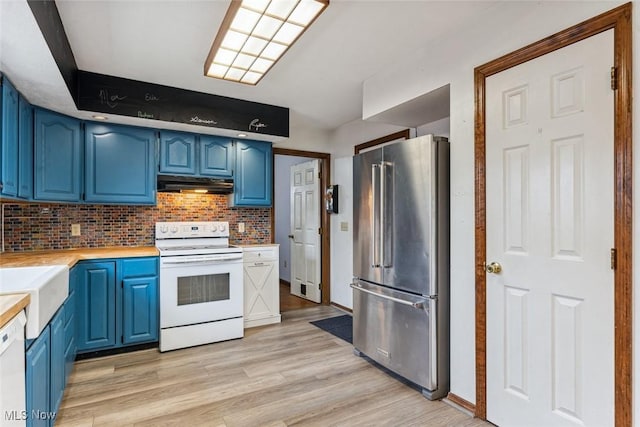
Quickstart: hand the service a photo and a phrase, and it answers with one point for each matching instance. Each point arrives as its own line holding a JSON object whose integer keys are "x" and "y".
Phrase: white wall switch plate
{"x": 75, "y": 229}
{"x": 344, "y": 226}
{"x": 241, "y": 227}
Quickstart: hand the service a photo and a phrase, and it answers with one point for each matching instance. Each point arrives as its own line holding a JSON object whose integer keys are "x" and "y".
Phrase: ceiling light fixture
{"x": 255, "y": 33}
{"x": 97, "y": 117}
{"x": 242, "y": 135}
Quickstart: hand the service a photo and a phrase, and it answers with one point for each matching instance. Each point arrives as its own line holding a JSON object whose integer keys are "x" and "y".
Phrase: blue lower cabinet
{"x": 109, "y": 315}
{"x": 140, "y": 310}
{"x": 96, "y": 305}
{"x": 58, "y": 348}
{"x": 38, "y": 381}
{"x": 70, "y": 325}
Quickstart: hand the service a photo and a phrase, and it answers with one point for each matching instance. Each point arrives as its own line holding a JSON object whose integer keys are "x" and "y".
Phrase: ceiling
{"x": 166, "y": 42}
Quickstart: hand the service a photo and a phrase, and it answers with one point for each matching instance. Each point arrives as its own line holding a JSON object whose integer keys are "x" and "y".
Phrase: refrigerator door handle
{"x": 386, "y": 214}
{"x": 418, "y": 304}
{"x": 375, "y": 219}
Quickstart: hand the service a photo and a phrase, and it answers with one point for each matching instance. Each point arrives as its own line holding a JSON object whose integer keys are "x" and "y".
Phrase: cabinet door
{"x": 119, "y": 164}
{"x": 261, "y": 290}
{"x": 58, "y": 157}
{"x": 57, "y": 360}
{"x": 140, "y": 310}
{"x": 177, "y": 153}
{"x": 9, "y": 152}
{"x": 254, "y": 176}
{"x": 216, "y": 156}
{"x": 96, "y": 306}
{"x": 70, "y": 325}
{"x": 25, "y": 149}
{"x": 38, "y": 380}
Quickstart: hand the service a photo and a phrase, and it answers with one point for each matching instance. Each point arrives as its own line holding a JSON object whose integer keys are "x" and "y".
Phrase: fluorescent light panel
{"x": 255, "y": 34}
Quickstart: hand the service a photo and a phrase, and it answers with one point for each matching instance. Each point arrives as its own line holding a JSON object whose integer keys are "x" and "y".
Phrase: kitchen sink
{"x": 48, "y": 286}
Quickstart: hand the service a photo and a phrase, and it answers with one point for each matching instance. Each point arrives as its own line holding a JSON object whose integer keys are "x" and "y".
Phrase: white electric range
{"x": 201, "y": 289}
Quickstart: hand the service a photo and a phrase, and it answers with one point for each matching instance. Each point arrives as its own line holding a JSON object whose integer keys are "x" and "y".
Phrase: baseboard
{"x": 341, "y": 307}
{"x": 285, "y": 282}
{"x": 462, "y": 402}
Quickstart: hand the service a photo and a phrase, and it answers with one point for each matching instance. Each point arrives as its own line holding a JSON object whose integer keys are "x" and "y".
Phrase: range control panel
{"x": 181, "y": 230}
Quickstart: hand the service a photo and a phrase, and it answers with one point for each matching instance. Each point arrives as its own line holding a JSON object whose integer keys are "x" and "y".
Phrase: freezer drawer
{"x": 399, "y": 331}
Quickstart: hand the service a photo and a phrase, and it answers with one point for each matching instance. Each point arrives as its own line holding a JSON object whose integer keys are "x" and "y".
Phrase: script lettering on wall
{"x": 116, "y": 95}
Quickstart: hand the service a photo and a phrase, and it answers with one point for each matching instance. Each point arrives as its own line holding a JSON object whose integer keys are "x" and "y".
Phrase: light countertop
{"x": 71, "y": 256}
{"x": 10, "y": 305}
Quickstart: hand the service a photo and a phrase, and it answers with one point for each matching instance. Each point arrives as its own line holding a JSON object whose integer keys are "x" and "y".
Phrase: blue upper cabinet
{"x": 25, "y": 149}
{"x": 58, "y": 157}
{"x": 254, "y": 174}
{"x": 119, "y": 164}
{"x": 9, "y": 152}
{"x": 177, "y": 153}
{"x": 216, "y": 156}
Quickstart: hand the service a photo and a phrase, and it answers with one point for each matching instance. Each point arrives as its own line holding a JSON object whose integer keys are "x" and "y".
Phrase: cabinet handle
{"x": 258, "y": 263}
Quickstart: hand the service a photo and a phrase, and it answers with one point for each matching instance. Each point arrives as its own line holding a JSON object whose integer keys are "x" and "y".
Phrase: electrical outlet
{"x": 344, "y": 226}
{"x": 75, "y": 229}
{"x": 241, "y": 227}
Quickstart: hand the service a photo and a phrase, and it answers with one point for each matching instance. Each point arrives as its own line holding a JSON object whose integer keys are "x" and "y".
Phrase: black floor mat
{"x": 340, "y": 326}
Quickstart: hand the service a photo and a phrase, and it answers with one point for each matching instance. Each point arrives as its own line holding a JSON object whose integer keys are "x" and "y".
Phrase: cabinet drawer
{"x": 136, "y": 267}
{"x": 262, "y": 254}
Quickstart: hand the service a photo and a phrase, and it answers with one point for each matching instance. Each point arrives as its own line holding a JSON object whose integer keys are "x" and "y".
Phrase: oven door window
{"x": 202, "y": 289}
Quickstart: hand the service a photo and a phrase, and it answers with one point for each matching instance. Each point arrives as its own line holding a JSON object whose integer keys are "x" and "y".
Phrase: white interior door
{"x": 305, "y": 226}
{"x": 549, "y": 163}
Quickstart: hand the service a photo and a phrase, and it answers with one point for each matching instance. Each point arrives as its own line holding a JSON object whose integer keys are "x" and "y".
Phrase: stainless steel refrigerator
{"x": 401, "y": 260}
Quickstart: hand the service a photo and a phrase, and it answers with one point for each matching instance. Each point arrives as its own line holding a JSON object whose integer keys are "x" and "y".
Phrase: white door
{"x": 549, "y": 163}
{"x": 305, "y": 226}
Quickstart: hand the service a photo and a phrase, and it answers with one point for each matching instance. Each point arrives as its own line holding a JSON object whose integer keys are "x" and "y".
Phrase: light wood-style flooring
{"x": 290, "y": 302}
{"x": 290, "y": 373}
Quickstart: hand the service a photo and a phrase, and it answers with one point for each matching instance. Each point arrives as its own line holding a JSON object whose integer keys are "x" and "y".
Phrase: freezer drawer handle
{"x": 418, "y": 305}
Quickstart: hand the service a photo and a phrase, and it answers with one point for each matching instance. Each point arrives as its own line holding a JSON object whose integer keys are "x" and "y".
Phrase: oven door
{"x": 200, "y": 288}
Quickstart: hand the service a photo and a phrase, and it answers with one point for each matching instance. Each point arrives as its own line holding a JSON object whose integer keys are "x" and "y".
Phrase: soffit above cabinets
{"x": 426, "y": 108}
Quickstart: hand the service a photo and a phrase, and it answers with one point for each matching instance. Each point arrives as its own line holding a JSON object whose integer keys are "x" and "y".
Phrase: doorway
{"x": 619, "y": 20}
{"x": 281, "y": 229}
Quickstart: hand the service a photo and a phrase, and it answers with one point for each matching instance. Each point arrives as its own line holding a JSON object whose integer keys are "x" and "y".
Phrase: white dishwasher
{"x": 12, "y": 372}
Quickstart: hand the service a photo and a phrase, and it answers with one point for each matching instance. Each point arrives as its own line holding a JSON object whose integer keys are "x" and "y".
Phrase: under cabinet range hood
{"x": 189, "y": 184}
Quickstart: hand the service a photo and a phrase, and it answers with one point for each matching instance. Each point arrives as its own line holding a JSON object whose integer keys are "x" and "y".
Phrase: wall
{"x": 282, "y": 209}
{"x": 342, "y": 240}
{"x": 505, "y": 27}
{"x": 43, "y": 226}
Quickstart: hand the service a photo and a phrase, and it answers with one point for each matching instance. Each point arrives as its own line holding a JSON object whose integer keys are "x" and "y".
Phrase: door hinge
{"x": 319, "y": 286}
{"x": 614, "y": 78}
{"x": 122, "y": 340}
{"x": 614, "y": 258}
{"x": 320, "y": 231}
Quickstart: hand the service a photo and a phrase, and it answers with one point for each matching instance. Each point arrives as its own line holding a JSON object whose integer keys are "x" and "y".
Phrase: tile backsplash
{"x": 43, "y": 226}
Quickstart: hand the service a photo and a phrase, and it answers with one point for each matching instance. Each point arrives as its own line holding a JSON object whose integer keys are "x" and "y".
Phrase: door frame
{"x": 618, "y": 19}
{"x": 325, "y": 241}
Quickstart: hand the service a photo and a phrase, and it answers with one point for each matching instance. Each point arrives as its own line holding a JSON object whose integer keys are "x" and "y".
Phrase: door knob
{"x": 290, "y": 236}
{"x": 493, "y": 268}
